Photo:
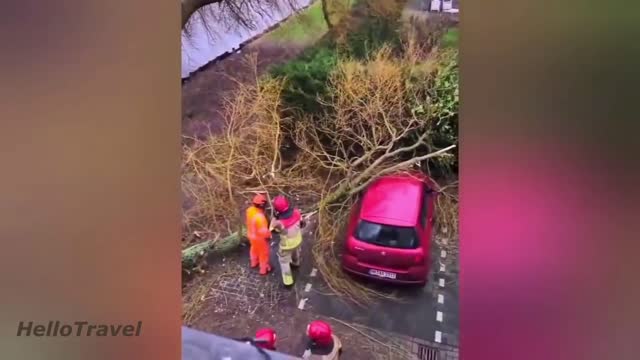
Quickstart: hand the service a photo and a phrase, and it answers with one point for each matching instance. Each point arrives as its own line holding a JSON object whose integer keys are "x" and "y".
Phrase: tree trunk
{"x": 325, "y": 13}
{"x": 191, "y": 6}
{"x": 191, "y": 255}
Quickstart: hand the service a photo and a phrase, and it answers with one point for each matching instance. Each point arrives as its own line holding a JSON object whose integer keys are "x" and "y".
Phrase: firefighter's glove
{"x": 306, "y": 354}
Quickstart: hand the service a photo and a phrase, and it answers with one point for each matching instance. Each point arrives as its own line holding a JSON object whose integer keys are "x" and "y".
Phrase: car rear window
{"x": 401, "y": 237}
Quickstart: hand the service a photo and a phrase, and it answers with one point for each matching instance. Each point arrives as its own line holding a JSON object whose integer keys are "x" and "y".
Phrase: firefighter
{"x": 322, "y": 344}
{"x": 258, "y": 234}
{"x": 267, "y": 337}
{"x": 288, "y": 223}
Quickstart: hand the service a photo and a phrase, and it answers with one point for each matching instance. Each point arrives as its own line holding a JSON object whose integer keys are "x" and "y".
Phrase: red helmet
{"x": 269, "y": 335}
{"x": 280, "y": 204}
{"x": 320, "y": 333}
{"x": 259, "y": 199}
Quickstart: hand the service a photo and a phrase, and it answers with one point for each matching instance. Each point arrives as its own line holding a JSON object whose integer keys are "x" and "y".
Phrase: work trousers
{"x": 286, "y": 258}
{"x": 259, "y": 254}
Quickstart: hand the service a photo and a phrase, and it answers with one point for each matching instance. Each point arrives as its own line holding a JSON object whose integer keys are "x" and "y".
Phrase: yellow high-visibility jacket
{"x": 290, "y": 237}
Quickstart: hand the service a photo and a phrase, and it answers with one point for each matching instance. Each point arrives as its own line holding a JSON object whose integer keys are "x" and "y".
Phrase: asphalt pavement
{"x": 429, "y": 313}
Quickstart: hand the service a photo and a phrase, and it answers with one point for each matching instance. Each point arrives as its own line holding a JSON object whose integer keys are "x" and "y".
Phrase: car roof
{"x": 393, "y": 200}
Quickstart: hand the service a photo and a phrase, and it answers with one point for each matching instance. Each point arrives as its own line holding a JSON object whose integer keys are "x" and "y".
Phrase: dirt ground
{"x": 204, "y": 92}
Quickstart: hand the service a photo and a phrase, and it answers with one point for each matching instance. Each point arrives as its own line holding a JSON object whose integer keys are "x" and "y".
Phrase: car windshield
{"x": 402, "y": 237}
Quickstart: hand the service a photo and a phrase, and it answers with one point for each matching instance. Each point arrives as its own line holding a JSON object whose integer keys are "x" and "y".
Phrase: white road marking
{"x": 442, "y": 268}
{"x": 438, "y": 337}
{"x": 301, "y": 303}
{"x": 307, "y": 287}
{"x": 441, "y": 282}
{"x": 439, "y": 316}
{"x": 314, "y": 271}
{"x": 443, "y": 254}
{"x": 440, "y": 299}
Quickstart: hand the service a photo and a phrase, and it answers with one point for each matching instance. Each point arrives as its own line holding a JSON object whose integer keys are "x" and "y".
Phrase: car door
{"x": 427, "y": 218}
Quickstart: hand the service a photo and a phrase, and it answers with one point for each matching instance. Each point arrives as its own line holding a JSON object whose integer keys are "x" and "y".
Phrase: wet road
{"x": 429, "y": 313}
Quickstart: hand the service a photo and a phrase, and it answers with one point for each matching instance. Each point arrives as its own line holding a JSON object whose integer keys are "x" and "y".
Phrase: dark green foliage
{"x": 307, "y": 78}
{"x": 307, "y": 75}
{"x": 446, "y": 102}
{"x": 372, "y": 35}
{"x": 443, "y": 101}
{"x": 451, "y": 38}
{"x": 446, "y": 97}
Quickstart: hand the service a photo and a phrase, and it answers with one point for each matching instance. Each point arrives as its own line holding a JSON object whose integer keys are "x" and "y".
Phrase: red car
{"x": 389, "y": 230}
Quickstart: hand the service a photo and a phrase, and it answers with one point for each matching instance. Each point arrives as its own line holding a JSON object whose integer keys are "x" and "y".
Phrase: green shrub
{"x": 372, "y": 34}
{"x": 307, "y": 78}
{"x": 444, "y": 102}
{"x": 450, "y": 38}
{"x": 307, "y": 75}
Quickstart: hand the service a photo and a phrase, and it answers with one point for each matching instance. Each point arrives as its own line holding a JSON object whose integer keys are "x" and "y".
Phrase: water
{"x": 203, "y": 45}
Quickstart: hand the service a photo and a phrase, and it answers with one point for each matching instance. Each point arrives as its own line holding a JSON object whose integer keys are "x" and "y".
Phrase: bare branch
{"x": 399, "y": 166}
{"x": 191, "y": 6}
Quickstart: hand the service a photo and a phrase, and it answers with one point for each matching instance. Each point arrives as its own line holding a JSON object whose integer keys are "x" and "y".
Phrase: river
{"x": 209, "y": 39}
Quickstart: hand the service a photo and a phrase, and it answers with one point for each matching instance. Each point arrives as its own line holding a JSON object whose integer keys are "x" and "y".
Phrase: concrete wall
{"x": 204, "y": 45}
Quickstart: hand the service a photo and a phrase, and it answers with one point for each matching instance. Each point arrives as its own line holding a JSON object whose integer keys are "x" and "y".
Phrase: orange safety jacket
{"x": 257, "y": 225}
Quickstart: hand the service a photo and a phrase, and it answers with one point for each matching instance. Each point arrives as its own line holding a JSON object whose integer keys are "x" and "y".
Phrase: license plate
{"x": 382, "y": 274}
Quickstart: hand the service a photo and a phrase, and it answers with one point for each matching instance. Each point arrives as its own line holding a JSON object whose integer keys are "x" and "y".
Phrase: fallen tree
{"x": 381, "y": 116}
{"x": 193, "y": 255}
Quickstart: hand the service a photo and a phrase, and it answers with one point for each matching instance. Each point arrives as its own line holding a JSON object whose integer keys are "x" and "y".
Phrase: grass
{"x": 309, "y": 25}
{"x": 451, "y": 38}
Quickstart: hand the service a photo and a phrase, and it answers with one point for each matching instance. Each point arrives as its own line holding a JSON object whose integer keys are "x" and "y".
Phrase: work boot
{"x": 287, "y": 277}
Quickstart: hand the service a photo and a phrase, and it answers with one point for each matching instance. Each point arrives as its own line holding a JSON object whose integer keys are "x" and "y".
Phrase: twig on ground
{"x": 393, "y": 349}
